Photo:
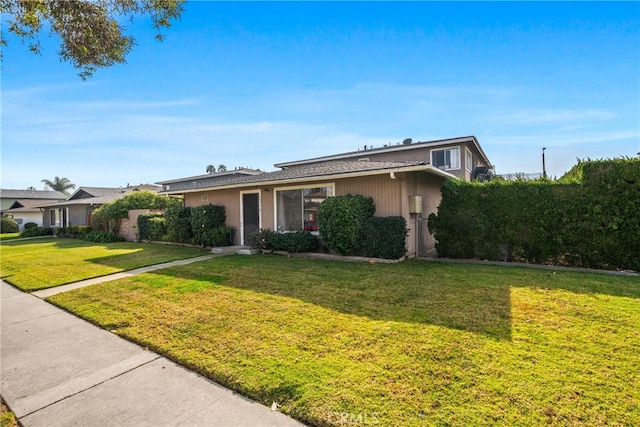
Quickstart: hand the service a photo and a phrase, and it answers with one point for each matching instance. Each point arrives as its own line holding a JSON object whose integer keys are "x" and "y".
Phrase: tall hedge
{"x": 152, "y": 226}
{"x": 341, "y": 220}
{"x": 179, "y": 225}
{"x": 385, "y": 237}
{"x": 204, "y": 222}
{"x": 588, "y": 219}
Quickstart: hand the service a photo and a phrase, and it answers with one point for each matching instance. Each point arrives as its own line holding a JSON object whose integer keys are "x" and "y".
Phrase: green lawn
{"x": 416, "y": 343}
{"x": 9, "y": 236}
{"x": 44, "y": 263}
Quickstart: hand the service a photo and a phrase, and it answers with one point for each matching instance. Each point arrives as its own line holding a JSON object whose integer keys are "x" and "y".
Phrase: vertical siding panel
{"x": 386, "y": 192}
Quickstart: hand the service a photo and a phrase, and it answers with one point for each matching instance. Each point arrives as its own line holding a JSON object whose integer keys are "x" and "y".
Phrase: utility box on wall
{"x": 415, "y": 204}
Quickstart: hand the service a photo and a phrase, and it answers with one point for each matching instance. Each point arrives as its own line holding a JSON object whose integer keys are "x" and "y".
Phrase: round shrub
{"x": 8, "y": 225}
{"x": 29, "y": 225}
{"x": 341, "y": 219}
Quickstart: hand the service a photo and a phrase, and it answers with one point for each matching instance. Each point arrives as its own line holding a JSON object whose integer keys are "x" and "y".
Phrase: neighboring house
{"x": 77, "y": 208}
{"x": 22, "y": 205}
{"x": 403, "y": 180}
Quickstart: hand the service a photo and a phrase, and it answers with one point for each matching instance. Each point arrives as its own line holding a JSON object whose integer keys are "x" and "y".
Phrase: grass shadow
{"x": 411, "y": 292}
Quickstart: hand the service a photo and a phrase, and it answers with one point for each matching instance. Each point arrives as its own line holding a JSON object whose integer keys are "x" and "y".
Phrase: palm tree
{"x": 222, "y": 168}
{"x": 59, "y": 184}
{"x": 211, "y": 169}
{"x": 31, "y": 188}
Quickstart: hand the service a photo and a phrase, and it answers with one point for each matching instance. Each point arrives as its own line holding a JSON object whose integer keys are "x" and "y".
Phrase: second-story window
{"x": 447, "y": 158}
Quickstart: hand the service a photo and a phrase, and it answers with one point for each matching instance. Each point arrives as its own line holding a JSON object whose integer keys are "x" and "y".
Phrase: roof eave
{"x": 418, "y": 168}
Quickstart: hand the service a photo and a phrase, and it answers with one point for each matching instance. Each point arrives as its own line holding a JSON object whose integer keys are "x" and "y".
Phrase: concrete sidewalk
{"x": 44, "y": 293}
{"x": 59, "y": 370}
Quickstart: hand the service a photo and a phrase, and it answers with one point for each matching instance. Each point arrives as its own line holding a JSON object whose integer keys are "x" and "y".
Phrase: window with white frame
{"x": 447, "y": 158}
{"x": 296, "y": 209}
{"x": 468, "y": 160}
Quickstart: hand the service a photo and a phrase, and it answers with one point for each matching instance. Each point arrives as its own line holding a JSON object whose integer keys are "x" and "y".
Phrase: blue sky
{"x": 253, "y": 84}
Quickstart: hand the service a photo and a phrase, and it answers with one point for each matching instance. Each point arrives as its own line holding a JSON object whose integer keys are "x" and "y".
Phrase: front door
{"x": 250, "y": 214}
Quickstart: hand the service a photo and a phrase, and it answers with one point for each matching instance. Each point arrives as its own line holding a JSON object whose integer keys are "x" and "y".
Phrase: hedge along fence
{"x": 589, "y": 218}
{"x": 152, "y": 226}
{"x": 107, "y": 218}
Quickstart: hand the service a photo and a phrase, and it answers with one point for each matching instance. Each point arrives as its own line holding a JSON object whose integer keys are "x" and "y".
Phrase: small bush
{"x": 341, "y": 219}
{"x": 29, "y": 225}
{"x": 294, "y": 241}
{"x": 385, "y": 237}
{"x": 9, "y": 225}
{"x": 102, "y": 237}
{"x": 258, "y": 239}
{"x": 36, "y": 232}
{"x": 221, "y": 236}
{"x": 72, "y": 231}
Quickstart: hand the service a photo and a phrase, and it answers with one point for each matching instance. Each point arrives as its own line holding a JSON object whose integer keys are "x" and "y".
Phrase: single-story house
{"x": 77, "y": 208}
{"x": 22, "y": 205}
{"x": 403, "y": 179}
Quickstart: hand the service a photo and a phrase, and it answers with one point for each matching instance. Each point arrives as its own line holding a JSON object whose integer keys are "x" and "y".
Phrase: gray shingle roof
{"x": 103, "y": 195}
{"x": 310, "y": 172}
{"x": 390, "y": 148}
{"x": 32, "y": 194}
{"x": 27, "y": 205}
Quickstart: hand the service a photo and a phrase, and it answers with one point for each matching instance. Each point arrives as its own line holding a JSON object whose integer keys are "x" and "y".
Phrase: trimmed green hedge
{"x": 385, "y": 237}
{"x": 294, "y": 241}
{"x": 341, "y": 220}
{"x": 152, "y": 226}
{"x": 204, "y": 220}
{"x": 36, "y": 232}
{"x": 179, "y": 225}
{"x": 589, "y": 218}
{"x": 72, "y": 231}
{"x": 101, "y": 237}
